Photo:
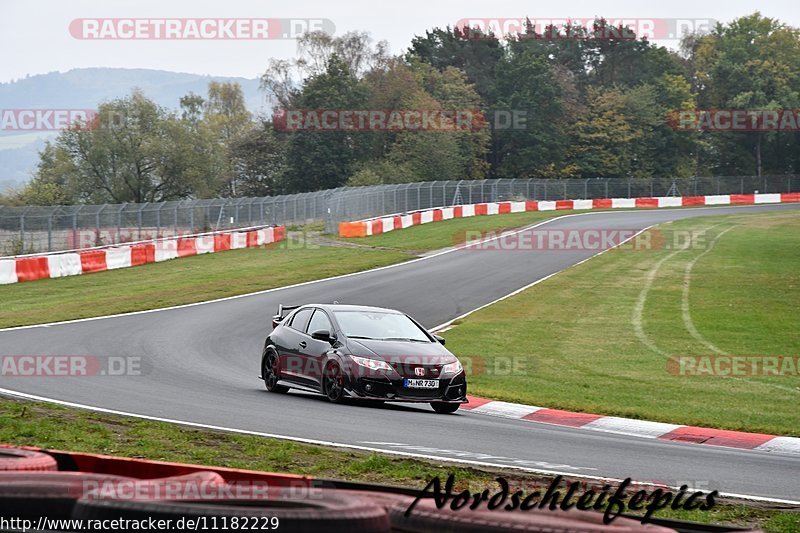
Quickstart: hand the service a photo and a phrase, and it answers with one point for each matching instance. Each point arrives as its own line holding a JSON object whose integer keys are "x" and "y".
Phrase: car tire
{"x": 29, "y": 494}
{"x": 270, "y": 374}
{"x": 445, "y": 408}
{"x": 333, "y": 383}
{"x": 15, "y": 459}
{"x": 324, "y": 511}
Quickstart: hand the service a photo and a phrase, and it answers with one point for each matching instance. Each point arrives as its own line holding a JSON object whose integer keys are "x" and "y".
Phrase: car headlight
{"x": 372, "y": 364}
{"x": 452, "y": 368}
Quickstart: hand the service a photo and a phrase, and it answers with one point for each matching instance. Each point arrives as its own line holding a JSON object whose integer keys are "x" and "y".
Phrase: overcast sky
{"x": 35, "y": 35}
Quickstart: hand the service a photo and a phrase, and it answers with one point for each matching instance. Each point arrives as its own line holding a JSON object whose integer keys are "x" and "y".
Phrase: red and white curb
{"x": 77, "y": 262}
{"x": 378, "y": 225}
{"x": 635, "y": 428}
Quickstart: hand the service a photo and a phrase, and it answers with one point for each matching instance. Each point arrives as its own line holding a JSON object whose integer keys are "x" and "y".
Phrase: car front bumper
{"x": 450, "y": 390}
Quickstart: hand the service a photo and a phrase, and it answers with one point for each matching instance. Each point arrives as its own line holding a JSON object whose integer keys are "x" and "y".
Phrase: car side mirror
{"x": 440, "y": 339}
{"x": 324, "y": 335}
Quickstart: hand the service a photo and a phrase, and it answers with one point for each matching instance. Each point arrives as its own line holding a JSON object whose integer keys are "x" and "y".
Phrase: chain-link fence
{"x": 33, "y": 229}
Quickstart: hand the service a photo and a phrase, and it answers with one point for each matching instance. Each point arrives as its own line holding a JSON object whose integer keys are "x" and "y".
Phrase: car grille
{"x": 408, "y": 370}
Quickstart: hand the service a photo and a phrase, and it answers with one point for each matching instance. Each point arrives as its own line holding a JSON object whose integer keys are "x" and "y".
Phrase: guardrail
{"x": 378, "y": 225}
{"x": 73, "y": 263}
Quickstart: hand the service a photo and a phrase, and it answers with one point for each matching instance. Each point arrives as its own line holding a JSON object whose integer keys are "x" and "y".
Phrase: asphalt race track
{"x": 205, "y": 361}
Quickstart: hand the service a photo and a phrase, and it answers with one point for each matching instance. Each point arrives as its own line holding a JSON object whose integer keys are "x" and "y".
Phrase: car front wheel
{"x": 445, "y": 408}
{"x": 333, "y": 383}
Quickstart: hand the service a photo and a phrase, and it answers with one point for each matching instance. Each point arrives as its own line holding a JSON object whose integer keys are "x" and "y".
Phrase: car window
{"x": 319, "y": 321}
{"x": 378, "y": 325}
{"x": 300, "y": 319}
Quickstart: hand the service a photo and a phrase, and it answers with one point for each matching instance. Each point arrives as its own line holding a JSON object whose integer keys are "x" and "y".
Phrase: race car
{"x": 350, "y": 351}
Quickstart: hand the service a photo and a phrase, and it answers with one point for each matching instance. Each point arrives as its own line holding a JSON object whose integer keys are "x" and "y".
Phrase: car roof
{"x": 347, "y": 307}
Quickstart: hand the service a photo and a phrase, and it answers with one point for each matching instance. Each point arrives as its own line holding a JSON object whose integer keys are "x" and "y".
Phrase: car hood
{"x": 401, "y": 351}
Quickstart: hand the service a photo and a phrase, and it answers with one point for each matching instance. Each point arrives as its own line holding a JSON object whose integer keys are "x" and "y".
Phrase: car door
{"x": 293, "y": 340}
{"x": 314, "y": 353}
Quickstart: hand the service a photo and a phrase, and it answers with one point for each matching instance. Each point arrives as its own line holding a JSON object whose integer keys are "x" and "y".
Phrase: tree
{"x": 133, "y": 151}
{"x": 753, "y": 63}
{"x": 528, "y": 90}
{"x": 259, "y": 161}
{"x": 227, "y": 118}
{"x": 324, "y": 159}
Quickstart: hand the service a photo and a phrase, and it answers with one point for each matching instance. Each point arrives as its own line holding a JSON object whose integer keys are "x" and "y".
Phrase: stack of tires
{"x": 31, "y": 486}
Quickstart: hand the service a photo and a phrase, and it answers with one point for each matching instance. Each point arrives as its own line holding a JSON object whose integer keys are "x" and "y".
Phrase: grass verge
{"x": 571, "y": 342}
{"x": 54, "y": 427}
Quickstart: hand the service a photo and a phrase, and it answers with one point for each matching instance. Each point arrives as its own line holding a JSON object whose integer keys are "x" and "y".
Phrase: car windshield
{"x": 381, "y": 326}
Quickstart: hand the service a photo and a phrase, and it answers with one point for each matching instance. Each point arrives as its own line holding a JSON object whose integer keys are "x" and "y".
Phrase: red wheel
{"x": 15, "y": 459}
{"x": 31, "y": 494}
{"x": 326, "y": 511}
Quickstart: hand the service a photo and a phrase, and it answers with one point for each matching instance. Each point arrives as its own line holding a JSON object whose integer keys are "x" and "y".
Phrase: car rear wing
{"x": 283, "y": 310}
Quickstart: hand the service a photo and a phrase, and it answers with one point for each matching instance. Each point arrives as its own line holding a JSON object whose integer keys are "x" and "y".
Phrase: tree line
{"x": 576, "y": 107}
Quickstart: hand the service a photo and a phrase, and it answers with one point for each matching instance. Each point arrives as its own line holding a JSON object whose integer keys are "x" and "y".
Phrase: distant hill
{"x": 84, "y": 89}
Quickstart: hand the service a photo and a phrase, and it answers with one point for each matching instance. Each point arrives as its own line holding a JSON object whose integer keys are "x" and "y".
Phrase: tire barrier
{"x": 15, "y": 459}
{"x": 114, "y": 488}
{"x": 326, "y": 511}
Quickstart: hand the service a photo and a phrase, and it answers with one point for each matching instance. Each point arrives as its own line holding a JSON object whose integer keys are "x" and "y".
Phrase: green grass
{"x": 575, "y": 347}
{"x": 210, "y": 276}
{"x": 54, "y": 427}
{"x": 181, "y": 281}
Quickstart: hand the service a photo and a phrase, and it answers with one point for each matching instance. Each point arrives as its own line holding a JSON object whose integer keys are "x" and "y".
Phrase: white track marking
{"x": 690, "y": 327}
{"x": 362, "y": 448}
{"x": 637, "y": 318}
{"x": 685, "y": 312}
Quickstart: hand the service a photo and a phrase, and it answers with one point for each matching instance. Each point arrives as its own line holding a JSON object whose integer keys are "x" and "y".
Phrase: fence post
{"x": 586, "y": 189}
{"x": 22, "y": 228}
{"x": 50, "y": 232}
{"x": 97, "y": 218}
{"x": 139, "y": 219}
{"x": 119, "y": 220}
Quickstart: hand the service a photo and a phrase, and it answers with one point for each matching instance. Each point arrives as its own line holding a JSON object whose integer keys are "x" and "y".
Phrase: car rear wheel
{"x": 445, "y": 408}
{"x": 270, "y": 373}
{"x": 333, "y": 383}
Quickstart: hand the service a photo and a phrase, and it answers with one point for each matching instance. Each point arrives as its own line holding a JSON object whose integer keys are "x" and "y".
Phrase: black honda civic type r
{"x": 349, "y": 351}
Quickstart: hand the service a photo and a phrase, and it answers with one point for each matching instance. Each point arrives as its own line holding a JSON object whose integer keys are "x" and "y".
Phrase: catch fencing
{"x": 35, "y": 229}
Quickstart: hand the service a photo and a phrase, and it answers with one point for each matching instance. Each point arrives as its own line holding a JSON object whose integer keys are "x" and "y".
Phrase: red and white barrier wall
{"x": 73, "y": 263}
{"x": 375, "y": 226}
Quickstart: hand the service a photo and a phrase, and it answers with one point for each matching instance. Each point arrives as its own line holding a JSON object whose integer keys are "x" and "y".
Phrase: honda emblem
{"x": 419, "y": 371}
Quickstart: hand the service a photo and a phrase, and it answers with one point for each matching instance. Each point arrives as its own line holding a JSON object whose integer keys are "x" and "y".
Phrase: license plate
{"x": 421, "y": 383}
